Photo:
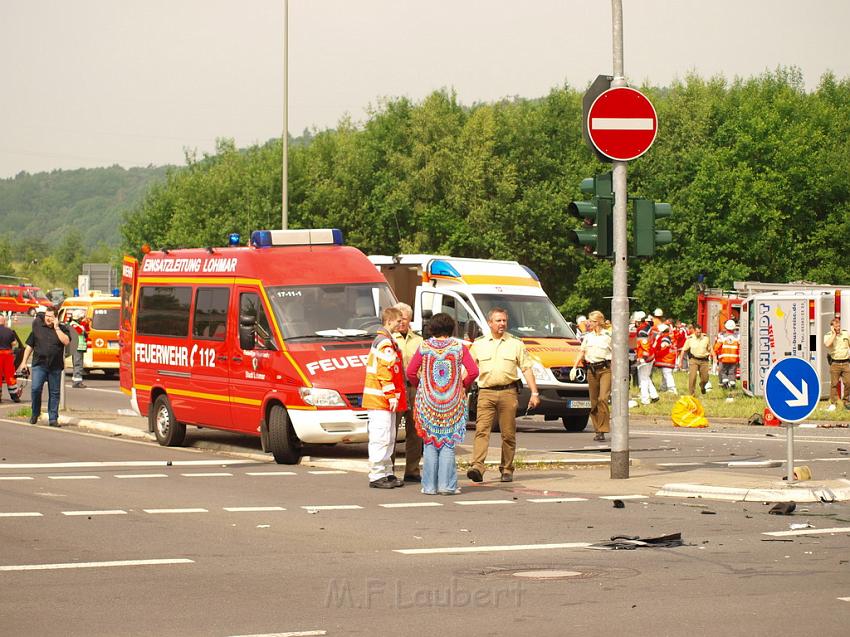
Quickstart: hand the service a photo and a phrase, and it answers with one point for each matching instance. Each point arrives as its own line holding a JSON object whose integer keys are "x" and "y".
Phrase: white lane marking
{"x": 408, "y": 505}
{"x": 298, "y": 633}
{"x": 21, "y": 514}
{"x": 222, "y": 474}
{"x": 476, "y": 502}
{"x": 51, "y": 567}
{"x": 136, "y": 476}
{"x": 821, "y": 440}
{"x": 491, "y": 549}
{"x": 196, "y": 510}
{"x": 327, "y": 473}
{"x": 127, "y": 463}
{"x": 837, "y": 529}
{"x": 539, "y": 500}
{"x": 623, "y": 497}
{"x": 844, "y": 599}
{"x": 622, "y": 123}
{"x": 16, "y": 478}
{"x": 333, "y": 507}
{"x": 103, "y": 512}
{"x": 680, "y": 464}
{"x": 105, "y": 391}
{"x": 252, "y": 509}
{"x": 73, "y": 477}
{"x": 270, "y": 473}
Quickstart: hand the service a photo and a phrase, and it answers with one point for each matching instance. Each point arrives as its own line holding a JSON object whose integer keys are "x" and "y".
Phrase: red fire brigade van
{"x": 269, "y": 340}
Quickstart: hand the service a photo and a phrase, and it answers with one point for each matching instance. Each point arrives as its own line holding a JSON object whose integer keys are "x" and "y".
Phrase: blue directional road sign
{"x": 792, "y": 389}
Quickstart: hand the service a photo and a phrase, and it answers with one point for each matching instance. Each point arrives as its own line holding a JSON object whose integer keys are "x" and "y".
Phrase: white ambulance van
{"x": 467, "y": 289}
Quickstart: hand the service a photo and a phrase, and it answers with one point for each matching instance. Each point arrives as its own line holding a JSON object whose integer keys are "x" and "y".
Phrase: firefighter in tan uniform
{"x": 408, "y": 342}
{"x": 837, "y": 342}
{"x": 500, "y": 358}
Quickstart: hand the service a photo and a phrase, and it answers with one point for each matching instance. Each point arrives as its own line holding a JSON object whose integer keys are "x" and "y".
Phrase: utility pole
{"x": 620, "y": 299}
{"x": 284, "y": 205}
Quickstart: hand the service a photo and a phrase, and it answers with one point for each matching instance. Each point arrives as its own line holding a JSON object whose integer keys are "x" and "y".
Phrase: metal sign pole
{"x": 620, "y": 300}
{"x": 789, "y": 448}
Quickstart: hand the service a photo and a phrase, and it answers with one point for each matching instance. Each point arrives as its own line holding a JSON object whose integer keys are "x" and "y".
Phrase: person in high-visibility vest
{"x": 727, "y": 351}
{"x": 665, "y": 358}
{"x": 644, "y": 356}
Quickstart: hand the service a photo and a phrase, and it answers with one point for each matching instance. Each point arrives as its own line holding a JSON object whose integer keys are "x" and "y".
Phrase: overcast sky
{"x": 135, "y": 82}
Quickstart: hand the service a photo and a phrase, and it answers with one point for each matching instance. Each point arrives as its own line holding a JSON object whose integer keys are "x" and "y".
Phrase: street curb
{"x": 106, "y": 427}
{"x": 814, "y": 493}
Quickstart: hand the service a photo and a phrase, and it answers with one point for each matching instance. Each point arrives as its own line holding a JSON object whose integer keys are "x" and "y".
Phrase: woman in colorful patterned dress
{"x": 443, "y": 370}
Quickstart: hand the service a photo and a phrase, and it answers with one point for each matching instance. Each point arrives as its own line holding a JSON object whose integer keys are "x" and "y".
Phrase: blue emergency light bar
{"x": 531, "y": 272}
{"x": 441, "y": 268}
{"x": 306, "y": 237}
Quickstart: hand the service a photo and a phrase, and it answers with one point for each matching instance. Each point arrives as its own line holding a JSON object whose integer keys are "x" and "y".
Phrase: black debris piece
{"x": 619, "y": 504}
{"x": 631, "y": 542}
{"x": 707, "y": 512}
{"x": 783, "y": 508}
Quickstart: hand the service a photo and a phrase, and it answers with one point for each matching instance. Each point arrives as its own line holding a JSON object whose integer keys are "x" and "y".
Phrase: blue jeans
{"x": 54, "y": 380}
{"x": 439, "y": 472}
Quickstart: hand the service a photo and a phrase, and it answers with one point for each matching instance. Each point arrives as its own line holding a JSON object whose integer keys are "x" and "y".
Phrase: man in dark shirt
{"x": 8, "y": 338}
{"x": 47, "y": 345}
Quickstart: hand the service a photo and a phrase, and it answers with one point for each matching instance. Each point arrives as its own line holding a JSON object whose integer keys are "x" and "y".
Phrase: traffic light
{"x": 646, "y": 236}
{"x": 597, "y": 233}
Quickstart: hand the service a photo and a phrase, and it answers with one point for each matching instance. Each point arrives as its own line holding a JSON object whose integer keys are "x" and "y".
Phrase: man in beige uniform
{"x": 500, "y": 357}
{"x": 408, "y": 342}
{"x": 837, "y": 342}
{"x": 698, "y": 349}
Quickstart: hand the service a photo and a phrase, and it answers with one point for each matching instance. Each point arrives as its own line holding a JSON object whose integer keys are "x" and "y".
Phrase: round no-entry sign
{"x": 622, "y": 123}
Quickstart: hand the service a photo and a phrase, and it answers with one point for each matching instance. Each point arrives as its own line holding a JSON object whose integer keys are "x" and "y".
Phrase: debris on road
{"x": 783, "y": 508}
{"x": 630, "y": 542}
{"x": 619, "y": 504}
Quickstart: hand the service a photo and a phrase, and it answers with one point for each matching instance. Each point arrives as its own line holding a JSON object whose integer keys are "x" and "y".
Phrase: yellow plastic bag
{"x": 688, "y": 412}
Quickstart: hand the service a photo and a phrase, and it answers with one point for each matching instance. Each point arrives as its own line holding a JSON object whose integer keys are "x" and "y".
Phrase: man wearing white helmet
{"x": 581, "y": 326}
{"x": 665, "y": 358}
{"x": 727, "y": 350}
{"x": 78, "y": 345}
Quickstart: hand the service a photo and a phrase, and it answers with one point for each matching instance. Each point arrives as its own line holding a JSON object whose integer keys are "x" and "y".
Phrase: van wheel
{"x": 169, "y": 432}
{"x": 283, "y": 443}
{"x": 574, "y": 424}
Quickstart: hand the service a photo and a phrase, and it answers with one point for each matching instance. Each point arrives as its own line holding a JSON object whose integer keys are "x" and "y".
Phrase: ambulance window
{"x": 164, "y": 311}
{"x": 104, "y": 318}
{"x": 458, "y": 312}
{"x": 126, "y": 305}
{"x": 210, "y": 320}
{"x": 251, "y": 305}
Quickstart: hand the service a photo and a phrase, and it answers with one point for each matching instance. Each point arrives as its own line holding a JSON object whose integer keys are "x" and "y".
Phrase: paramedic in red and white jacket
{"x": 384, "y": 397}
{"x": 665, "y": 358}
{"x": 644, "y": 356}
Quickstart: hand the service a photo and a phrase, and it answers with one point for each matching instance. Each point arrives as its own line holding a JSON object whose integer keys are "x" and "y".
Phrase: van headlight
{"x": 319, "y": 397}
{"x": 542, "y": 374}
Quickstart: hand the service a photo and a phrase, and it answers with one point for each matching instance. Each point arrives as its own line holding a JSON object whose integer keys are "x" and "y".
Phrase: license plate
{"x": 579, "y": 404}
{"x": 113, "y": 344}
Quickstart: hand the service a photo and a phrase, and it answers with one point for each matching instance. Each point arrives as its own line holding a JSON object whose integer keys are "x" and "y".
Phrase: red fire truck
{"x": 269, "y": 340}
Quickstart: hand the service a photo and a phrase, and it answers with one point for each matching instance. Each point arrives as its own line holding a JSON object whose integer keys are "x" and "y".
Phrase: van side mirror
{"x": 247, "y": 324}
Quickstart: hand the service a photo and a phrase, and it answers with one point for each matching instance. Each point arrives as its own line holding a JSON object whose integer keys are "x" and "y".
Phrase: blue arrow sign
{"x": 792, "y": 389}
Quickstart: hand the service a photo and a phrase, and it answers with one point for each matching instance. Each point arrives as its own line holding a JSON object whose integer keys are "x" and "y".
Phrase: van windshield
{"x": 528, "y": 315}
{"x": 329, "y": 311}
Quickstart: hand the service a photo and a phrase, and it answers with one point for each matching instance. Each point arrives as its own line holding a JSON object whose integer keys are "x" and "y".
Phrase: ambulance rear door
{"x": 129, "y": 274}
{"x": 820, "y": 326}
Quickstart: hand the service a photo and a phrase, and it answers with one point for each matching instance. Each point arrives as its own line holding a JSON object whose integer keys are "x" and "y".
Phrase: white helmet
{"x": 639, "y": 315}
{"x": 78, "y": 314}
{"x": 729, "y": 325}
{"x": 581, "y": 318}
{"x": 658, "y": 312}
{"x": 663, "y": 328}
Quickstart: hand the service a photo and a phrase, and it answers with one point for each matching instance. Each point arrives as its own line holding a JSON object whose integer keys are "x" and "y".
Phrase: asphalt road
{"x": 142, "y": 540}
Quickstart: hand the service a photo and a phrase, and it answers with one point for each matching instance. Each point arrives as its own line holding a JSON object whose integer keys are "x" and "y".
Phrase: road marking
{"x": 16, "y": 478}
{"x": 103, "y": 512}
{"x": 844, "y": 599}
{"x": 821, "y": 440}
{"x": 837, "y": 529}
{"x": 325, "y": 473}
{"x": 491, "y": 549}
{"x": 51, "y": 567}
{"x": 222, "y": 474}
{"x": 299, "y": 633}
{"x": 476, "y": 502}
{"x": 73, "y": 477}
{"x": 22, "y": 514}
{"x": 333, "y": 507}
{"x": 252, "y": 509}
{"x": 407, "y": 505}
{"x": 540, "y": 500}
{"x": 105, "y": 391}
{"x": 623, "y": 497}
{"x": 197, "y": 510}
{"x": 135, "y": 476}
{"x": 680, "y": 464}
{"x": 270, "y": 473}
{"x": 127, "y": 463}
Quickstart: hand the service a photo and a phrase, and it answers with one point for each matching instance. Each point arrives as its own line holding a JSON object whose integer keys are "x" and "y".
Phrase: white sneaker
{"x": 831, "y": 407}
{"x": 633, "y": 403}
{"x": 730, "y": 400}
